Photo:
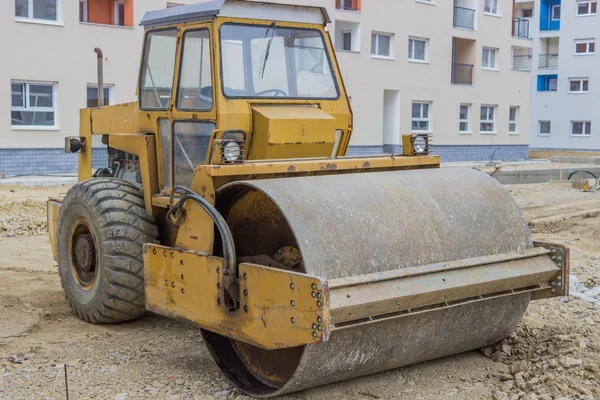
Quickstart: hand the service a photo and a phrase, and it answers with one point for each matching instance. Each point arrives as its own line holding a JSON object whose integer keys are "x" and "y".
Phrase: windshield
{"x": 270, "y": 61}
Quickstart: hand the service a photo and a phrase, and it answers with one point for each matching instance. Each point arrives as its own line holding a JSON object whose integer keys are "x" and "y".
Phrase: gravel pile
{"x": 22, "y": 218}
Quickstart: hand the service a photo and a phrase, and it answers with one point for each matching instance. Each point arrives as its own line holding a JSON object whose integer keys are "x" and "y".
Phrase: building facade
{"x": 458, "y": 70}
{"x": 566, "y": 71}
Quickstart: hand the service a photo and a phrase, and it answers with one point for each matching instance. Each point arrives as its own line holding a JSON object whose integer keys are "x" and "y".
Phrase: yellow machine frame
{"x": 277, "y": 308}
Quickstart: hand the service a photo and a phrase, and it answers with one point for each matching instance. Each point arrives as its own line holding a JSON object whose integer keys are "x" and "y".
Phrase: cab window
{"x": 191, "y": 142}
{"x": 195, "y": 82}
{"x": 158, "y": 66}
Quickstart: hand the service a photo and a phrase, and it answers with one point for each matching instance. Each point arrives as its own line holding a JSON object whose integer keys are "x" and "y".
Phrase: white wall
{"x": 63, "y": 53}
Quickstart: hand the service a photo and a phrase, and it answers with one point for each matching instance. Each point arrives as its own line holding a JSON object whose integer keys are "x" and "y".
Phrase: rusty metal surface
{"x": 279, "y": 309}
{"x": 360, "y": 224}
{"x": 561, "y": 255}
{"x": 440, "y": 289}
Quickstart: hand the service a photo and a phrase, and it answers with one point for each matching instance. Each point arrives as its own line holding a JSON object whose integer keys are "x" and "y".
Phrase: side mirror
{"x": 74, "y": 144}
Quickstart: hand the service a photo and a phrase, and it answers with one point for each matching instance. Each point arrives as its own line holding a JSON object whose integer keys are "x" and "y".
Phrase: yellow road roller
{"x": 228, "y": 202}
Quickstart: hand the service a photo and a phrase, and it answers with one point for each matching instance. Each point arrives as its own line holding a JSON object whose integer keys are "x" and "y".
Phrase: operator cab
{"x": 232, "y": 81}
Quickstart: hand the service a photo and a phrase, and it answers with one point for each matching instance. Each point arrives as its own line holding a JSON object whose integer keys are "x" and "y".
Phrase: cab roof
{"x": 235, "y": 8}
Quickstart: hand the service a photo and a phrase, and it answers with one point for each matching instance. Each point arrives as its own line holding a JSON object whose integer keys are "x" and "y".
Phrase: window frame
{"x": 581, "y": 85}
{"x": 25, "y": 107}
{"x": 588, "y": 43}
{"x": 490, "y": 50}
{"x": 487, "y": 120}
{"x": 32, "y": 19}
{"x": 390, "y": 48}
{"x": 421, "y": 118}
{"x": 411, "y": 49}
{"x": 212, "y": 75}
{"x": 110, "y": 92}
{"x": 540, "y": 122}
{"x": 589, "y": 8}
{"x": 116, "y": 4}
{"x": 143, "y": 64}
{"x": 586, "y": 125}
{"x": 464, "y": 121}
{"x": 491, "y": 11}
{"x": 514, "y": 122}
{"x": 84, "y": 4}
{"x": 344, "y": 33}
{"x": 553, "y": 12}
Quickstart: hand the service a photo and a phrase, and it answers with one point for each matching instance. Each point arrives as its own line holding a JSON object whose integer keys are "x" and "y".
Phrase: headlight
{"x": 232, "y": 151}
{"x": 420, "y": 145}
{"x": 416, "y": 145}
{"x": 231, "y": 146}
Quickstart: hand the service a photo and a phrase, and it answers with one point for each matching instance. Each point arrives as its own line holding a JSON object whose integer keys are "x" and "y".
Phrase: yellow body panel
{"x": 52, "y": 224}
{"x": 291, "y": 132}
{"x": 277, "y": 310}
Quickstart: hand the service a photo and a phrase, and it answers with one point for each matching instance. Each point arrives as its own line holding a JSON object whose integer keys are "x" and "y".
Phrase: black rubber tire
{"x": 114, "y": 211}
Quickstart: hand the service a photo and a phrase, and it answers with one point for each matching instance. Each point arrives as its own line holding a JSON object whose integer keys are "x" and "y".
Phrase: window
{"x": 156, "y": 78}
{"x": 417, "y": 49}
{"x": 347, "y": 36}
{"x": 490, "y": 7}
{"x": 578, "y": 85}
{"x": 83, "y": 11}
{"x": 44, "y": 10}
{"x": 527, "y": 13}
{"x": 381, "y": 45}
{"x": 347, "y": 41}
{"x": 513, "y": 120}
{"x": 585, "y": 47}
{"x": 33, "y": 104}
{"x": 581, "y": 128}
{"x": 544, "y": 127}
{"x": 420, "y": 117}
{"x": 587, "y": 8}
{"x": 556, "y": 12}
{"x": 489, "y": 59}
{"x": 119, "y": 13}
{"x": 547, "y": 83}
{"x": 195, "y": 82}
{"x": 463, "y": 124}
{"x": 92, "y": 96}
{"x": 297, "y": 64}
{"x": 191, "y": 141}
{"x": 488, "y": 119}
{"x": 348, "y": 5}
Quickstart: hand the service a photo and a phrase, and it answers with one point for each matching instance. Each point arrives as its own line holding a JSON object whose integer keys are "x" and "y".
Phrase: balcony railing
{"x": 464, "y": 18}
{"x": 462, "y": 74}
{"x": 548, "y": 61}
{"x": 522, "y": 62}
{"x": 520, "y": 28}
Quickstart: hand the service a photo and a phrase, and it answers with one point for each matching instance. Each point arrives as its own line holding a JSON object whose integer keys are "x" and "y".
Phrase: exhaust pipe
{"x": 100, "y": 76}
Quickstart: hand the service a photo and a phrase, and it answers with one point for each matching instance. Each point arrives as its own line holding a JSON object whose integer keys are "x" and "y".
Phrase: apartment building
{"x": 50, "y": 73}
{"x": 565, "y": 97}
{"x": 458, "y": 70}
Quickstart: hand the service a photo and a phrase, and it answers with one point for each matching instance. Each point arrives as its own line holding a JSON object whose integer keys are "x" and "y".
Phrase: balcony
{"x": 548, "y": 61}
{"x": 462, "y": 74}
{"x": 464, "y": 18}
{"x": 522, "y": 62}
{"x": 520, "y": 28}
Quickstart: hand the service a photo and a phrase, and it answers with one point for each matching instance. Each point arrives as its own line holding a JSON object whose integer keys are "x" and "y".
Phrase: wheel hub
{"x": 84, "y": 249}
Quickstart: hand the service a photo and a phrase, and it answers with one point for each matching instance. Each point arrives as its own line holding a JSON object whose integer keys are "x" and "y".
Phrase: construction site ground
{"x": 553, "y": 354}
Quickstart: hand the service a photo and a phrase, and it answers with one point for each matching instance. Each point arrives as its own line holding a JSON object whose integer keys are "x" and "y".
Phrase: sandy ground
{"x": 553, "y": 354}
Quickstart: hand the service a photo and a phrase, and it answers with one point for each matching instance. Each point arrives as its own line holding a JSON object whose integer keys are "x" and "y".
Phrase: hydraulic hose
{"x": 229, "y": 280}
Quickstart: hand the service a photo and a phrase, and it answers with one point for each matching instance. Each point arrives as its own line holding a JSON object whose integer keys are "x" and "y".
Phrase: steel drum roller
{"x": 354, "y": 224}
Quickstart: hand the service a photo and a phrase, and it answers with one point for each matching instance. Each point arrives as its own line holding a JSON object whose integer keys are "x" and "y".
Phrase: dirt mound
{"x": 22, "y": 218}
